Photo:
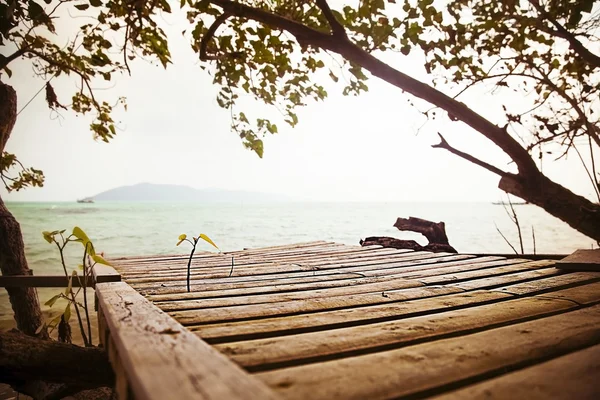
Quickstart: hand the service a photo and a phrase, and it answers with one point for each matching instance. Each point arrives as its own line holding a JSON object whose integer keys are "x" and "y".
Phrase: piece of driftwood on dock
{"x": 435, "y": 232}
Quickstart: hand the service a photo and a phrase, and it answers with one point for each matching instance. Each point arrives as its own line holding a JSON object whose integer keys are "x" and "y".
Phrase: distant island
{"x": 180, "y": 193}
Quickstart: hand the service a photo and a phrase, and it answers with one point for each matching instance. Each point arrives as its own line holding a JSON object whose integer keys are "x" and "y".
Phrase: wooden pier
{"x": 322, "y": 320}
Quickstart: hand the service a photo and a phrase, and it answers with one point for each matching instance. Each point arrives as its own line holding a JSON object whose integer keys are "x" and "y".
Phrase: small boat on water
{"x": 514, "y": 203}
{"x": 85, "y": 200}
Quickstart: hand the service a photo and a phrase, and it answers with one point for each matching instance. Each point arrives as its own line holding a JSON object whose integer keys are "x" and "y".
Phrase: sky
{"x": 366, "y": 148}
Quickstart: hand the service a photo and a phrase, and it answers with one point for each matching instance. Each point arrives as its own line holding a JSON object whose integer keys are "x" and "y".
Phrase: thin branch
{"x": 337, "y": 29}
{"x": 83, "y": 76}
{"x": 562, "y": 32}
{"x": 589, "y": 174}
{"x": 125, "y": 50}
{"x": 444, "y": 145}
{"x": 505, "y": 239}
{"x": 515, "y": 220}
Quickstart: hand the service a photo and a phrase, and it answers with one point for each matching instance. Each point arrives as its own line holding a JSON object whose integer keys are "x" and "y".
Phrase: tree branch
{"x": 378, "y": 68}
{"x": 83, "y": 76}
{"x": 301, "y": 32}
{"x": 444, "y": 145}
{"x": 24, "y": 358}
{"x": 210, "y": 34}
{"x": 562, "y": 32}
{"x": 4, "y": 61}
{"x": 337, "y": 29}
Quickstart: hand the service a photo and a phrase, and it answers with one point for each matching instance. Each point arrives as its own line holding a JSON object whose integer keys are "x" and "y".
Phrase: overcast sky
{"x": 346, "y": 148}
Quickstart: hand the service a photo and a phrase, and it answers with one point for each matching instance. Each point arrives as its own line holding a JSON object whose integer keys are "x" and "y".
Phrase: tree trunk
{"x": 24, "y": 301}
{"x": 577, "y": 211}
{"x": 24, "y": 358}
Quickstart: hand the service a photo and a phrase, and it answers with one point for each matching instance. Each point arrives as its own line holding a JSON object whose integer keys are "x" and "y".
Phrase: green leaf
{"x": 67, "y": 313}
{"x": 81, "y": 267}
{"x": 70, "y": 285}
{"x": 55, "y": 321}
{"x": 181, "y": 238}
{"x": 207, "y": 239}
{"x": 53, "y": 300}
{"x": 98, "y": 259}
{"x": 85, "y": 240}
{"x": 48, "y": 236}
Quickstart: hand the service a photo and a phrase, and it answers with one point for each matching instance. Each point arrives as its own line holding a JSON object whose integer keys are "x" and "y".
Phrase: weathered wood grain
{"x": 265, "y": 354}
{"x": 276, "y": 271}
{"x": 376, "y": 287}
{"x": 304, "y": 277}
{"x": 160, "y": 359}
{"x": 573, "y": 376}
{"x": 551, "y": 283}
{"x": 320, "y": 321}
{"x": 224, "y": 268}
{"x": 254, "y": 311}
{"x": 430, "y": 366}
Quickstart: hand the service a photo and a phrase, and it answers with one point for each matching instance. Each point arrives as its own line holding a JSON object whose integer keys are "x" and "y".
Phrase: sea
{"x": 152, "y": 228}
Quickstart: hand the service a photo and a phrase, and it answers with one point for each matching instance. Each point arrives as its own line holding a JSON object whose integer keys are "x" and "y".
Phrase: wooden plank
{"x": 254, "y": 265}
{"x": 440, "y": 267}
{"x": 551, "y": 283}
{"x": 201, "y": 253}
{"x": 41, "y": 281}
{"x": 585, "y": 294}
{"x": 314, "y": 276}
{"x": 105, "y": 273}
{"x": 503, "y": 280}
{"x": 247, "y": 257}
{"x": 428, "y": 367}
{"x": 277, "y": 269}
{"x": 275, "y": 286}
{"x": 320, "y": 321}
{"x": 468, "y": 275}
{"x": 336, "y": 252}
{"x": 533, "y": 257}
{"x": 573, "y": 376}
{"x": 279, "y": 352}
{"x": 246, "y": 312}
{"x": 269, "y": 327}
{"x": 581, "y": 260}
{"x": 376, "y": 287}
{"x": 163, "y": 360}
{"x": 255, "y": 311}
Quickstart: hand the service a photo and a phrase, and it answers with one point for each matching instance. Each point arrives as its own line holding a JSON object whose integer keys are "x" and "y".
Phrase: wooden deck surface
{"x": 322, "y": 320}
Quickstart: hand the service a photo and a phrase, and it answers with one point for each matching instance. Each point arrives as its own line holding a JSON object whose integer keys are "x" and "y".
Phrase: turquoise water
{"x": 121, "y": 229}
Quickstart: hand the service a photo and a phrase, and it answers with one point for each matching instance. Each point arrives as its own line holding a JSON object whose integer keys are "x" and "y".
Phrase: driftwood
{"x": 25, "y": 358}
{"x": 435, "y": 232}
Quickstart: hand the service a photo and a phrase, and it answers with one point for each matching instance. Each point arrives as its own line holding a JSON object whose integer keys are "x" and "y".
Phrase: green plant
{"x": 89, "y": 261}
{"x": 182, "y": 238}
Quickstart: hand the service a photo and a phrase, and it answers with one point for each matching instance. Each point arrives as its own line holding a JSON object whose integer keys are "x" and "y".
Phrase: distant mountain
{"x": 179, "y": 193}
